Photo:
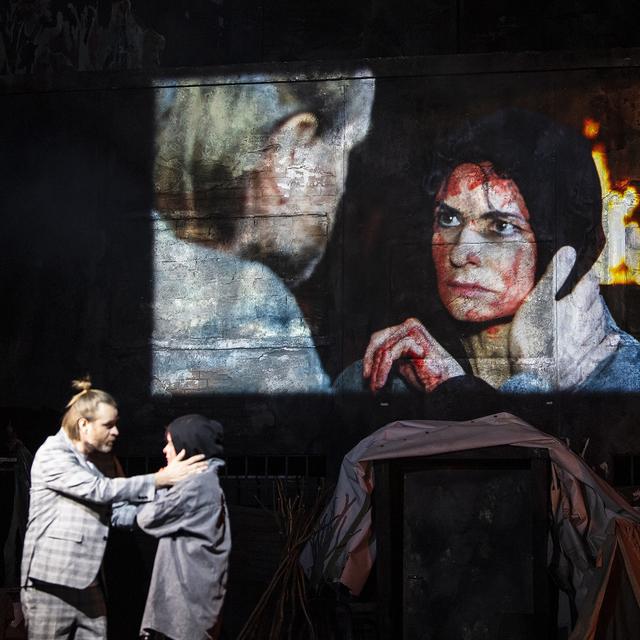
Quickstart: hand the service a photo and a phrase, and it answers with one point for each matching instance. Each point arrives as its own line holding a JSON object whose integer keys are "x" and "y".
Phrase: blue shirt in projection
{"x": 617, "y": 373}
{"x": 226, "y": 325}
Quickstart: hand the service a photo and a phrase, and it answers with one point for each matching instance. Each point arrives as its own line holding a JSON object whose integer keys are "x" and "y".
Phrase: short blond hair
{"x": 83, "y": 404}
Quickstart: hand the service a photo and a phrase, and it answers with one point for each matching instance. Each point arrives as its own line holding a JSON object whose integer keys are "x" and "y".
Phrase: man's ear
{"x": 82, "y": 422}
{"x": 296, "y": 131}
{"x": 288, "y": 145}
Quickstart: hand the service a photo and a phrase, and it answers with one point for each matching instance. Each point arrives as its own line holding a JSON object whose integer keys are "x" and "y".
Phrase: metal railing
{"x": 250, "y": 481}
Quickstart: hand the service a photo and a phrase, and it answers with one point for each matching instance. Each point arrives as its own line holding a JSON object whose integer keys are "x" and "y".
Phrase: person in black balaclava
{"x": 198, "y": 434}
{"x": 190, "y": 570}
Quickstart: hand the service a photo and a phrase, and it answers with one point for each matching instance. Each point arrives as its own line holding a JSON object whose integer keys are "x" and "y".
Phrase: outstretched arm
{"x": 59, "y": 469}
{"x": 164, "y": 516}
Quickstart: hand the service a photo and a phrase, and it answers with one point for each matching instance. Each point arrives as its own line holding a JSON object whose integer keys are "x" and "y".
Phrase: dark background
{"x": 76, "y": 138}
{"x": 75, "y": 241}
{"x": 212, "y": 32}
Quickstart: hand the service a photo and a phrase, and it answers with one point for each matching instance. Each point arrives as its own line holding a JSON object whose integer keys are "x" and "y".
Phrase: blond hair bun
{"x": 82, "y": 386}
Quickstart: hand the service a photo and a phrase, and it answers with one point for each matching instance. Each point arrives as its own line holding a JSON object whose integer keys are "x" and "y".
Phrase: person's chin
{"x": 473, "y": 313}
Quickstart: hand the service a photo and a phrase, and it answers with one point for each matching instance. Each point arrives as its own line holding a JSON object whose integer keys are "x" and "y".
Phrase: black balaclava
{"x": 196, "y": 434}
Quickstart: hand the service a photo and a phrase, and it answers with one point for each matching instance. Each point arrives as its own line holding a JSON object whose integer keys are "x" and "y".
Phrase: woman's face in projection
{"x": 483, "y": 247}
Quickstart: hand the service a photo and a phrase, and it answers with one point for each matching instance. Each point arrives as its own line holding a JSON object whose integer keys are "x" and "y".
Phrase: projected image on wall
{"x": 473, "y": 244}
{"x": 515, "y": 207}
{"x": 248, "y": 179}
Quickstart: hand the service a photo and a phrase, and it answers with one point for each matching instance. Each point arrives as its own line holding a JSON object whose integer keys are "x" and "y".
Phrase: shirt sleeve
{"x": 61, "y": 471}
{"x": 123, "y": 515}
{"x": 165, "y": 515}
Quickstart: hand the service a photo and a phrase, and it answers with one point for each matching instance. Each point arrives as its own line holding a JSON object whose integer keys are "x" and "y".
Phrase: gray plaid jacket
{"x": 69, "y": 514}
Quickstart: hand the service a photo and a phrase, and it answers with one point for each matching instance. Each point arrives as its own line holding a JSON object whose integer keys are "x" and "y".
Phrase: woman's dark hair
{"x": 553, "y": 168}
{"x": 196, "y": 434}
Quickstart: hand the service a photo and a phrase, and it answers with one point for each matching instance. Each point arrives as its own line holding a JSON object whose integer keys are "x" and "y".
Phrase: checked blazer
{"x": 69, "y": 514}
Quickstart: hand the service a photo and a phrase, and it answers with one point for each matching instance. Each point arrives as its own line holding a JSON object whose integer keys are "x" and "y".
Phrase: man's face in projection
{"x": 294, "y": 194}
{"x": 259, "y": 170}
{"x": 483, "y": 247}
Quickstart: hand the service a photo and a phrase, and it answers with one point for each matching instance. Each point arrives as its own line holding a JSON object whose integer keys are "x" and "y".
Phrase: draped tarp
{"x": 596, "y": 530}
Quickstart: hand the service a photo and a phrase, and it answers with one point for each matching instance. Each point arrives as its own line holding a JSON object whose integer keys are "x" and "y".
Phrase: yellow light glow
{"x": 619, "y": 203}
{"x": 620, "y": 274}
{"x": 590, "y": 128}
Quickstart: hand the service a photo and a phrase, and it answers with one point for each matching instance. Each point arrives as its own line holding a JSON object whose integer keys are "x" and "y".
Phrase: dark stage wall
{"x": 229, "y": 240}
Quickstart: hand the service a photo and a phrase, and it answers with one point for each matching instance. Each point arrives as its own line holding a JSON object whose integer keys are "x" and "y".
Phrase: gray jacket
{"x": 70, "y": 512}
{"x": 190, "y": 570}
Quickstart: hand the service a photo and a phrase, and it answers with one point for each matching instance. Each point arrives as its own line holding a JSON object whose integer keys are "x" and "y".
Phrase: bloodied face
{"x": 483, "y": 247}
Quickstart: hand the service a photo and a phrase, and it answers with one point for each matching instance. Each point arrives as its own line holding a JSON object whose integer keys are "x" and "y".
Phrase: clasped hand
{"x": 559, "y": 342}
{"x": 424, "y": 363}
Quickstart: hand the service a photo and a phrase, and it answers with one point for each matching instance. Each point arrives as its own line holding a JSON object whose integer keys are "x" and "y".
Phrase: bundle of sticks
{"x": 284, "y": 610}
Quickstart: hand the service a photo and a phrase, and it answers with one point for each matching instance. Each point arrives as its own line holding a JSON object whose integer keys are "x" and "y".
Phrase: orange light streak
{"x": 620, "y": 274}
{"x": 620, "y": 202}
{"x": 590, "y": 128}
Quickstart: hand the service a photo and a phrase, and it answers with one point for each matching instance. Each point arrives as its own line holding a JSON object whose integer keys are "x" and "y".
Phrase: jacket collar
{"x": 82, "y": 459}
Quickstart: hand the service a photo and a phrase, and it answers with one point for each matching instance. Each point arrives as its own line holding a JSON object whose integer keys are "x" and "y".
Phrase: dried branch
{"x": 284, "y": 609}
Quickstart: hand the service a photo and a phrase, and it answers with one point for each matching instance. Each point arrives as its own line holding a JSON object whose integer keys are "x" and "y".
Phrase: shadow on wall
{"x": 76, "y": 242}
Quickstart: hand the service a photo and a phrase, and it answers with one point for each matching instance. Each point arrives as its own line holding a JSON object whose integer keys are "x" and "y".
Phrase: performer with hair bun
{"x": 69, "y": 515}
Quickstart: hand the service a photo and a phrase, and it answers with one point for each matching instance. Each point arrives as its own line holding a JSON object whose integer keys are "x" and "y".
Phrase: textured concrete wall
{"x": 230, "y": 242}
